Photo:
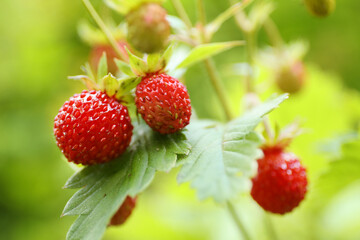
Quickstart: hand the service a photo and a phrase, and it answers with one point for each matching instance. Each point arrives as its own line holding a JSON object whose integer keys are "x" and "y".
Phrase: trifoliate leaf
{"x": 204, "y": 51}
{"x": 105, "y": 186}
{"x": 102, "y": 68}
{"x": 223, "y": 157}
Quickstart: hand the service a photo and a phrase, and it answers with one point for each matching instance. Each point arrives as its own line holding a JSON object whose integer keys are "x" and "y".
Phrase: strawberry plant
{"x": 136, "y": 117}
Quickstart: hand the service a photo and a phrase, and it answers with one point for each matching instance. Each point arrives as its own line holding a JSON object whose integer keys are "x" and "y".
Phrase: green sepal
{"x": 138, "y": 65}
{"x": 110, "y": 85}
{"x": 89, "y": 83}
{"x": 124, "y": 68}
{"x": 102, "y": 68}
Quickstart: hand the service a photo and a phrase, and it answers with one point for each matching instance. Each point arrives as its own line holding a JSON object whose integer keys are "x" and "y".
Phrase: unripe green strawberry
{"x": 290, "y": 78}
{"x": 124, "y": 211}
{"x": 92, "y": 128}
{"x": 163, "y": 103}
{"x": 98, "y": 50}
{"x": 320, "y": 8}
{"x": 148, "y": 28}
{"x": 281, "y": 182}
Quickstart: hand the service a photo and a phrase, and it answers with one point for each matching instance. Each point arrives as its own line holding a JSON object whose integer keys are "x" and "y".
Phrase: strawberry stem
{"x": 237, "y": 220}
{"x": 181, "y": 12}
{"x": 211, "y": 69}
{"x": 105, "y": 29}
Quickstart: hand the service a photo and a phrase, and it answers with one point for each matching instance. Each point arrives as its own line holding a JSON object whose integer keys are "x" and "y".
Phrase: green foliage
{"x": 223, "y": 157}
{"x": 341, "y": 172}
{"x": 204, "y": 51}
{"x": 104, "y": 187}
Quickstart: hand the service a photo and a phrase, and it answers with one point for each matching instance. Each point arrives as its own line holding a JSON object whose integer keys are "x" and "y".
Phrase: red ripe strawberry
{"x": 281, "y": 182}
{"x": 124, "y": 212}
{"x": 92, "y": 128}
{"x": 98, "y": 50}
{"x": 163, "y": 102}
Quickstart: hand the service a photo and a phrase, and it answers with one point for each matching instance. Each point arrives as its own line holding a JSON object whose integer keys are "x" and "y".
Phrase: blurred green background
{"x": 40, "y": 47}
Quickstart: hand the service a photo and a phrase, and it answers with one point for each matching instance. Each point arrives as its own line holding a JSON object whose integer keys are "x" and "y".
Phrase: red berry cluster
{"x": 281, "y": 181}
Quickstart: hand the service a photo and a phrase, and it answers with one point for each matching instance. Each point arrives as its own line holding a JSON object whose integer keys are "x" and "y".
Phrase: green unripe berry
{"x": 291, "y": 78}
{"x": 320, "y": 8}
{"x": 148, "y": 28}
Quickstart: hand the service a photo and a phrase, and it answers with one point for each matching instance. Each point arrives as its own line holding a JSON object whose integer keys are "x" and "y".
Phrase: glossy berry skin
{"x": 124, "y": 211}
{"x": 92, "y": 128}
{"x": 98, "y": 50}
{"x": 281, "y": 182}
{"x": 163, "y": 103}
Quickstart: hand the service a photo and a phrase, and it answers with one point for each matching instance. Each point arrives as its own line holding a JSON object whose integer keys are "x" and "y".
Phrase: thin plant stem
{"x": 237, "y": 220}
{"x": 211, "y": 68}
{"x": 219, "y": 88}
{"x": 105, "y": 29}
{"x": 273, "y": 33}
{"x": 181, "y": 12}
{"x": 270, "y": 227}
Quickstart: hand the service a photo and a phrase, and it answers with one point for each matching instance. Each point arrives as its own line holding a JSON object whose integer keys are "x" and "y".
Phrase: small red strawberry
{"x": 281, "y": 182}
{"x": 98, "y": 50}
{"x": 124, "y": 211}
{"x": 92, "y": 128}
{"x": 163, "y": 103}
{"x": 148, "y": 28}
{"x": 290, "y": 78}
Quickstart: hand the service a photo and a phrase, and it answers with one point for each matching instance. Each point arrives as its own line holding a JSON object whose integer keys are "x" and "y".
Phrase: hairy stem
{"x": 181, "y": 12}
{"x": 237, "y": 220}
{"x": 273, "y": 33}
{"x": 105, "y": 29}
{"x": 211, "y": 69}
{"x": 219, "y": 87}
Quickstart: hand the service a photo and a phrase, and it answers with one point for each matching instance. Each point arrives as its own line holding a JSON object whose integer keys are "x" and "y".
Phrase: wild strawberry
{"x": 124, "y": 212}
{"x": 291, "y": 78}
{"x": 92, "y": 128}
{"x": 281, "y": 182}
{"x": 320, "y": 8}
{"x": 163, "y": 103}
{"x": 98, "y": 50}
{"x": 148, "y": 28}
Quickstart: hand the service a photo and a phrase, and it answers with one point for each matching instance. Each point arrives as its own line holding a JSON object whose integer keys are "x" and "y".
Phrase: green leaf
{"x": 204, "y": 51}
{"x": 342, "y": 172}
{"x": 223, "y": 157}
{"x": 215, "y": 25}
{"x": 259, "y": 13}
{"x": 105, "y": 186}
{"x": 102, "y": 69}
{"x": 124, "y": 68}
